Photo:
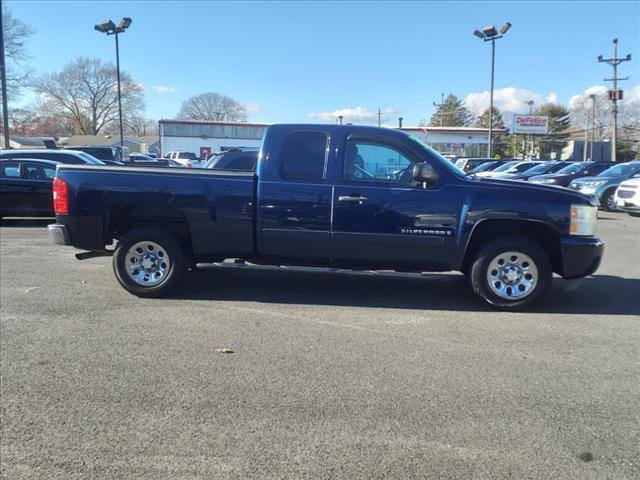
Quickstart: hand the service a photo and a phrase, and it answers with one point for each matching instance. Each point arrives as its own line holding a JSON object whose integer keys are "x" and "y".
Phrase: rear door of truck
{"x": 294, "y": 195}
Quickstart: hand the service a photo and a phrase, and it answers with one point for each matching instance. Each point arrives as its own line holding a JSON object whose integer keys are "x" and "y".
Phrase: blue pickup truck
{"x": 351, "y": 197}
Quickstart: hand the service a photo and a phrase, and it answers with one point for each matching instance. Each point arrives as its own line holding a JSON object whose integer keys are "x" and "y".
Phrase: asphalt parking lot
{"x": 332, "y": 376}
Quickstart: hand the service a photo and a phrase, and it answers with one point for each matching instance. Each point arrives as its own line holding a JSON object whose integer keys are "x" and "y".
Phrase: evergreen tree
{"x": 556, "y": 139}
{"x": 500, "y": 141}
{"x": 452, "y": 113}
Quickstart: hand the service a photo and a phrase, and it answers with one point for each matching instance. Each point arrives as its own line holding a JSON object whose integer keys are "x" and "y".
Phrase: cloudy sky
{"x": 295, "y": 62}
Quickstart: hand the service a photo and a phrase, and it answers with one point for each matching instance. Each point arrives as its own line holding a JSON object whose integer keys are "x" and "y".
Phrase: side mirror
{"x": 425, "y": 174}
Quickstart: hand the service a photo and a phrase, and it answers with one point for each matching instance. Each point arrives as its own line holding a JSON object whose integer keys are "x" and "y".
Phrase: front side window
{"x": 369, "y": 161}
{"x": 303, "y": 156}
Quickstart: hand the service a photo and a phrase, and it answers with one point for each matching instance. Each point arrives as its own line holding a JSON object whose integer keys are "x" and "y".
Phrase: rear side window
{"x": 303, "y": 156}
{"x": 10, "y": 170}
{"x": 38, "y": 172}
{"x": 243, "y": 163}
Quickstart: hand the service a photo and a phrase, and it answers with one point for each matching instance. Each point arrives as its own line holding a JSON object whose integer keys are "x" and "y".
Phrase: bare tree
{"x": 141, "y": 126}
{"x": 16, "y": 33}
{"x": 86, "y": 91}
{"x": 213, "y": 106}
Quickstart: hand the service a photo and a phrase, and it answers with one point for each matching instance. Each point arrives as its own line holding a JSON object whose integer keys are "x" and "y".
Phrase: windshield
{"x": 188, "y": 155}
{"x": 523, "y": 167}
{"x": 89, "y": 158}
{"x": 620, "y": 170}
{"x": 485, "y": 167}
{"x": 212, "y": 159}
{"x": 432, "y": 153}
{"x": 571, "y": 169}
{"x": 506, "y": 166}
{"x": 542, "y": 168}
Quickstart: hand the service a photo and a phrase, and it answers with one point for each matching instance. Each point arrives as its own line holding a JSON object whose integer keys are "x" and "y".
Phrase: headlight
{"x": 583, "y": 220}
{"x": 596, "y": 183}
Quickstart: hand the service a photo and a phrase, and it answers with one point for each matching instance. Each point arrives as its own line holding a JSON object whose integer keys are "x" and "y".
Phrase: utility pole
{"x": 440, "y": 105}
{"x": 3, "y": 73}
{"x": 530, "y": 103}
{"x": 379, "y": 116}
{"x": 615, "y": 94}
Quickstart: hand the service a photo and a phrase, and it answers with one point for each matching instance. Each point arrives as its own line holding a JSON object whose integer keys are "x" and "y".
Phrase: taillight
{"x": 189, "y": 164}
{"x": 60, "y": 197}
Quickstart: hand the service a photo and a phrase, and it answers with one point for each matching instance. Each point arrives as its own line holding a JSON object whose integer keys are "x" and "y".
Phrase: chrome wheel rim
{"x": 611, "y": 202}
{"x": 512, "y": 275}
{"x": 147, "y": 263}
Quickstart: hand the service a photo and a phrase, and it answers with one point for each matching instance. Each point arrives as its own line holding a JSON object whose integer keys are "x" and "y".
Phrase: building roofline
{"x": 454, "y": 129}
{"x": 213, "y": 122}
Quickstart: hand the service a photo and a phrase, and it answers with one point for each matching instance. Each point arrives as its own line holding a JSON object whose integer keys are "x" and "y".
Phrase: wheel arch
{"x": 124, "y": 218}
{"x": 541, "y": 233}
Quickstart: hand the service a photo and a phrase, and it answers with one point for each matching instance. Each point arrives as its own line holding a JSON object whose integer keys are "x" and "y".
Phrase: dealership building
{"x": 204, "y": 138}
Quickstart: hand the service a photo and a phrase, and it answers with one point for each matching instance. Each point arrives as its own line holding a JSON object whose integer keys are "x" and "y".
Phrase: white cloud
{"x": 578, "y": 100}
{"x": 509, "y": 99}
{"x": 162, "y": 89}
{"x": 351, "y": 115}
{"x": 253, "y": 108}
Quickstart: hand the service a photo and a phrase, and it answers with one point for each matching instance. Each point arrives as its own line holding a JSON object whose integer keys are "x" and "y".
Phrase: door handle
{"x": 351, "y": 198}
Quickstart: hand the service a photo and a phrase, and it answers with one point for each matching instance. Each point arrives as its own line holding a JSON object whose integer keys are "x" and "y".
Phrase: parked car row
{"x": 27, "y": 174}
{"x": 595, "y": 179}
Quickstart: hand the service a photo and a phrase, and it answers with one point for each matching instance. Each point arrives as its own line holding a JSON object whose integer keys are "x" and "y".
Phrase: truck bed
{"x": 215, "y": 209}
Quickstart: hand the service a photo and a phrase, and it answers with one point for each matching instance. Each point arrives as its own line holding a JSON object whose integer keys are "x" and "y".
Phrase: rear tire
{"x": 511, "y": 273}
{"x": 149, "y": 262}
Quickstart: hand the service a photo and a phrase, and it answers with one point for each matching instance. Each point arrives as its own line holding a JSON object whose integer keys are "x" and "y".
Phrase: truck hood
{"x": 537, "y": 192}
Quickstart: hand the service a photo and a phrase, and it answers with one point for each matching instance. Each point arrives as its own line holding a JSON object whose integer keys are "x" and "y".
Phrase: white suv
{"x": 186, "y": 159}
{"x": 627, "y": 197}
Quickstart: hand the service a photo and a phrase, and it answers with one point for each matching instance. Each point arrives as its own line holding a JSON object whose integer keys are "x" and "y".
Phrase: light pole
{"x": 490, "y": 34}
{"x": 593, "y": 123}
{"x": 3, "y": 73}
{"x": 110, "y": 28}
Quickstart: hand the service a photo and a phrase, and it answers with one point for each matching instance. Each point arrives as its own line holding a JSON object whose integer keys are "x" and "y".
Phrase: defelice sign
{"x": 530, "y": 124}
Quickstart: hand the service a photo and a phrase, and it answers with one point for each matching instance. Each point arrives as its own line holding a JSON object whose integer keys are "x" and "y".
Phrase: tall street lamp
{"x": 110, "y": 28}
{"x": 490, "y": 34}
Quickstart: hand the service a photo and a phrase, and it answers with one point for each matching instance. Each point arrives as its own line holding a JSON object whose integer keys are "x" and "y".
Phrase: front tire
{"x": 608, "y": 201}
{"x": 149, "y": 262}
{"x": 511, "y": 273}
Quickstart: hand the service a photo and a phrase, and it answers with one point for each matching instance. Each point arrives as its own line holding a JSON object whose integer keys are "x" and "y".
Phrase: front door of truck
{"x": 381, "y": 216}
{"x": 294, "y": 199}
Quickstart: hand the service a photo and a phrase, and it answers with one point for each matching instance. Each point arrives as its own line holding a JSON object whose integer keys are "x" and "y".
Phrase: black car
{"x": 26, "y": 187}
{"x": 566, "y": 175}
{"x": 234, "y": 159}
{"x": 141, "y": 160}
{"x": 468, "y": 164}
{"x": 540, "y": 169}
{"x": 488, "y": 166}
{"x": 108, "y": 155}
{"x": 60, "y": 156}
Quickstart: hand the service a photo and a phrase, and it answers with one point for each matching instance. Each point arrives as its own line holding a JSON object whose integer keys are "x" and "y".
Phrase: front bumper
{"x": 581, "y": 256}
{"x": 59, "y": 234}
